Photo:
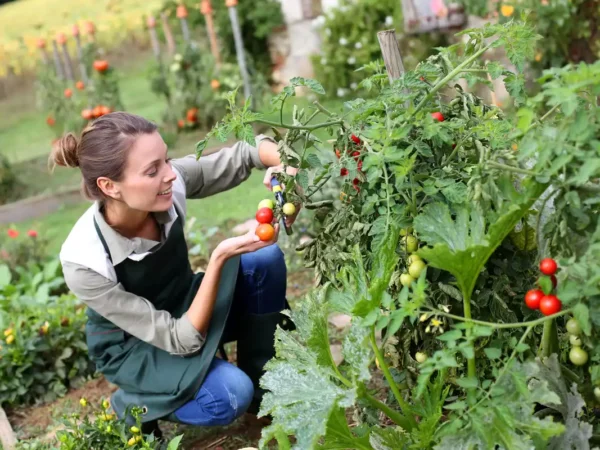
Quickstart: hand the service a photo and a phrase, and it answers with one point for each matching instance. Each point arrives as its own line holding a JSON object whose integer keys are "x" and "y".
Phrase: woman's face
{"x": 148, "y": 177}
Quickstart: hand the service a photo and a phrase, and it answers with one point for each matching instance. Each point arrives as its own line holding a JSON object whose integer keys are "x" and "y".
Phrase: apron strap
{"x": 102, "y": 239}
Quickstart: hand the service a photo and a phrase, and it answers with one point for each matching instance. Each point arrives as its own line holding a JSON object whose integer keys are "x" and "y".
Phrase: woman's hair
{"x": 102, "y": 149}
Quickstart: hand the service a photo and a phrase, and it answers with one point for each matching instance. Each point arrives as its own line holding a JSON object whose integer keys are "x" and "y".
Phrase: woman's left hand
{"x": 289, "y": 220}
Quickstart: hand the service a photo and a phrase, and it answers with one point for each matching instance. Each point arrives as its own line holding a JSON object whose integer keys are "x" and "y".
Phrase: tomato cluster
{"x": 415, "y": 264}
{"x": 548, "y": 304}
{"x": 265, "y": 216}
{"x": 354, "y": 150}
{"x": 578, "y": 356}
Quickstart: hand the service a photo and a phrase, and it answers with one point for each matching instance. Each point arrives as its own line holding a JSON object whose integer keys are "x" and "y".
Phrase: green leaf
{"x": 452, "y": 335}
{"x": 582, "y": 313}
{"x": 313, "y": 85}
{"x": 357, "y": 352}
{"x": 525, "y": 116}
{"x": 458, "y": 405}
{"x": 5, "y": 275}
{"x": 174, "y": 443}
{"x": 467, "y": 383}
{"x": 492, "y": 353}
{"x": 338, "y": 434}
{"x": 313, "y": 160}
{"x": 389, "y": 438}
{"x": 462, "y": 246}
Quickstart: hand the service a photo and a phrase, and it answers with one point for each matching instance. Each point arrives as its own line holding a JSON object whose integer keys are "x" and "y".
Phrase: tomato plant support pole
{"x": 82, "y": 70}
{"x": 182, "y": 16}
{"x": 207, "y": 11}
{"x": 239, "y": 45}
{"x": 153, "y": 37}
{"x": 57, "y": 62}
{"x": 62, "y": 40}
{"x": 391, "y": 54}
{"x": 168, "y": 33}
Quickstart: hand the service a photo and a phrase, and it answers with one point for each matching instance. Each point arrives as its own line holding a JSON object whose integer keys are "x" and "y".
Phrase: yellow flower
{"x": 507, "y": 10}
{"x": 435, "y": 322}
{"x": 538, "y": 56}
{"x": 105, "y": 404}
{"x": 10, "y": 339}
{"x": 8, "y": 332}
{"x": 83, "y": 402}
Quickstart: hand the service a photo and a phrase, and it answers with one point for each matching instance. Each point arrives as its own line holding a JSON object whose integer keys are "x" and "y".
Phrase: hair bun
{"x": 65, "y": 151}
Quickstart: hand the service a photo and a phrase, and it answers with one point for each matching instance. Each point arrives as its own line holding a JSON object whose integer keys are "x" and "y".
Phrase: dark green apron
{"x": 148, "y": 377}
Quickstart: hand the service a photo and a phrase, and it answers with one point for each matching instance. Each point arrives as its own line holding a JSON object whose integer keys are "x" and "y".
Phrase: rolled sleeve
{"x": 219, "y": 171}
{"x": 133, "y": 314}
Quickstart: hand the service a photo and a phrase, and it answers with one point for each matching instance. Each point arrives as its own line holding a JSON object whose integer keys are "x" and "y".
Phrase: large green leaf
{"x": 357, "y": 352}
{"x": 462, "y": 245}
{"x": 5, "y": 276}
{"x": 339, "y": 435}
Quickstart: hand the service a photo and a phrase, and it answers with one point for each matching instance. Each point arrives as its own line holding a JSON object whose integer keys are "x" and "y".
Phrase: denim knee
{"x": 264, "y": 261}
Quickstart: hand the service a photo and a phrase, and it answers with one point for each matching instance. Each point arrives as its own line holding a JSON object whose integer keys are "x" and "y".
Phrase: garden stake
{"x": 41, "y": 44}
{"x": 168, "y": 33}
{"x": 57, "y": 62}
{"x": 206, "y": 10}
{"x": 62, "y": 40}
{"x": 82, "y": 70}
{"x": 182, "y": 16}
{"x": 239, "y": 45}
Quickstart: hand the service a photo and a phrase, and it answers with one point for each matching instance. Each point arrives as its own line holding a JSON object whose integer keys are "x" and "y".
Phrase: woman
{"x": 153, "y": 326}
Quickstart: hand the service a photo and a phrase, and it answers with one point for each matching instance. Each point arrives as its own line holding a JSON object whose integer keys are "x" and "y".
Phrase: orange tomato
{"x": 68, "y": 92}
{"x": 101, "y": 65}
{"x": 97, "y": 111}
{"x": 215, "y": 84}
{"x": 105, "y": 110}
{"x": 182, "y": 12}
{"x": 87, "y": 114}
{"x": 180, "y": 123}
{"x": 192, "y": 115}
{"x": 265, "y": 231}
{"x": 50, "y": 120}
{"x": 79, "y": 85}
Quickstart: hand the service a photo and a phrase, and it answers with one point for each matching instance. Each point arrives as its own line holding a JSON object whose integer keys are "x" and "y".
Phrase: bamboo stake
{"x": 182, "y": 16}
{"x": 57, "y": 62}
{"x": 153, "y": 37}
{"x": 239, "y": 45}
{"x": 168, "y": 33}
{"x": 62, "y": 40}
{"x": 82, "y": 70}
{"x": 207, "y": 11}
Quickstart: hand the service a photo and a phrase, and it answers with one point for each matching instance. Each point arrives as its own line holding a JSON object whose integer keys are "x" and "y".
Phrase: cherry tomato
{"x": 355, "y": 155}
{"x": 532, "y": 298}
{"x": 413, "y": 258}
{"x": 264, "y": 215}
{"x": 406, "y": 279}
{"x": 550, "y": 304}
{"x": 420, "y": 357}
{"x": 416, "y": 268}
{"x": 343, "y": 172}
{"x": 356, "y": 139}
{"x": 438, "y": 116}
{"x": 597, "y": 393}
{"x": 338, "y": 153}
{"x": 573, "y": 327}
{"x": 578, "y": 356}
{"x": 575, "y": 341}
{"x": 548, "y": 266}
{"x": 265, "y": 231}
{"x": 266, "y": 203}
{"x": 289, "y": 209}
{"x": 411, "y": 243}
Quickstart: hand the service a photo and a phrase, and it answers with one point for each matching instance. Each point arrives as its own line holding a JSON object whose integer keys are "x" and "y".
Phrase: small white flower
{"x": 352, "y": 60}
{"x": 323, "y": 61}
{"x": 318, "y": 22}
{"x": 353, "y": 86}
{"x": 343, "y": 41}
{"x": 389, "y": 20}
{"x": 327, "y": 31}
{"x": 358, "y": 45}
{"x": 341, "y": 92}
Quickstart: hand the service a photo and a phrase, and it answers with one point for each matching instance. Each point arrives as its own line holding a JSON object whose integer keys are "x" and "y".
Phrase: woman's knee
{"x": 265, "y": 260}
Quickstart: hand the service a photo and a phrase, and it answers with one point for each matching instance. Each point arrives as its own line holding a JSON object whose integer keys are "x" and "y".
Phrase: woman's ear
{"x": 108, "y": 187}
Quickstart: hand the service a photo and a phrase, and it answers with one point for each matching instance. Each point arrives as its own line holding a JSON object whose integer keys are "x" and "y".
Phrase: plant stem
{"x": 281, "y": 109}
{"x": 319, "y": 186}
{"x": 387, "y": 193}
{"x": 497, "y": 165}
{"x": 313, "y": 115}
{"x": 462, "y": 66}
{"x": 323, "y": 109}
{"x": 498, "y": 325}
{"x": 471, "y": 366}
{"x": 298, "y": 127}
{"x": 388, "y": 376}
{"x": 549, "y": 338}
{"x": 396, "y": 417}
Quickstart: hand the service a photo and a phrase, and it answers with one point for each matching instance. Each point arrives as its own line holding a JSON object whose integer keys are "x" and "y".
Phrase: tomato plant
{"x": 472, "y": 217}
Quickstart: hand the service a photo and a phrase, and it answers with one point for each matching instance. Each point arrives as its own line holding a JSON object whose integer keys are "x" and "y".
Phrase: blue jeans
{"x": 227, "y": 391}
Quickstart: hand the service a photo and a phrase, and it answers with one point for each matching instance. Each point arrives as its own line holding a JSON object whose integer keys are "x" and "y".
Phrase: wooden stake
{"x": 168, "y": 33}
{"x": 154, "y": 37}
{"x": 239, "y": 45}
{"x": 57, "y": 62}
{"x": 207, "y": 11}
{"x": 391, "y": 54}
{"x": 82, "y": 70}
{"x": 7, "y": 436}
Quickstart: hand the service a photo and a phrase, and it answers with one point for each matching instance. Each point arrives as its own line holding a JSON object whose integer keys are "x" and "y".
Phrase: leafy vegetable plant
{"x": 446, "y": 209}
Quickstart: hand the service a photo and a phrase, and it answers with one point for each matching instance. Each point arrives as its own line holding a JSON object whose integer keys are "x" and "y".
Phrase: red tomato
{"x": 356, "y": 139}
{"x": 532, "y": 298}
{"x": 264, "y": 215}
{"x": 343, "y": 172}
{"x": 101, "y": 65}
{"x": 337, "y": 153}
{"x": 548, "y": 266}
{"x": 550, "y": 304}
{"x": 265, "y": 231}
{"x": 438, "y": 116}
{"x": 554, "y": 281}
{"x": 355, "y": 155}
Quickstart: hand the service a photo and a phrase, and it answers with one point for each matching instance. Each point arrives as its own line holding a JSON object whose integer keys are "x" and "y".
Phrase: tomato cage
{"x": 423, "y": 16}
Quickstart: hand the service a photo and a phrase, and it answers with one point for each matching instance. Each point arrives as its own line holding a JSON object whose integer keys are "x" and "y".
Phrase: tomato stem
{"x": 497, "y": 165}
{"x": 498, "y": 325}
{"x": 388, "y": 376}
{"x": 323, "y": 109}
{"x": 471, "y": 365}
{"x": 298, "y": 127}
{"x": 449, "y": 77}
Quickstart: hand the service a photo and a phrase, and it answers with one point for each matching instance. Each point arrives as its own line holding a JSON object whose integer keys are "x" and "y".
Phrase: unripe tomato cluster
{"x": 548, "y": 304}
{"x": 265, "y": 215}
{"x": 578, "y": 356}
{"x": 415, "y": 264}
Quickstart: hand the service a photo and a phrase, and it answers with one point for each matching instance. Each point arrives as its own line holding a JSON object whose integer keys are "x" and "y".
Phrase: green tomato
{"x": 421, "y": 357}
{"x": 406, "y": 279}
{"x": 573, "y": 327}
{"x": 575, "y": 341}
{"x": 416, "y": 268}
{"x": 412, "y": 258}
{"x": 578, "y": 356}
{"x": 597, "y": 393}
{"x": 411, "y": 242}
{"x": 289, "y": 209}
{"x": 266, "y": 203}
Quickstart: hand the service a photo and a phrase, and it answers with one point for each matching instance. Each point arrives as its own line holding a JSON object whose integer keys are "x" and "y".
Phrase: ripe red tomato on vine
{"x": 548, "y": 266}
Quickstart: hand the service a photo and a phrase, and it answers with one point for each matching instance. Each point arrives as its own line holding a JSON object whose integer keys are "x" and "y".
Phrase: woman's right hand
{"x": 246, "y": 243}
